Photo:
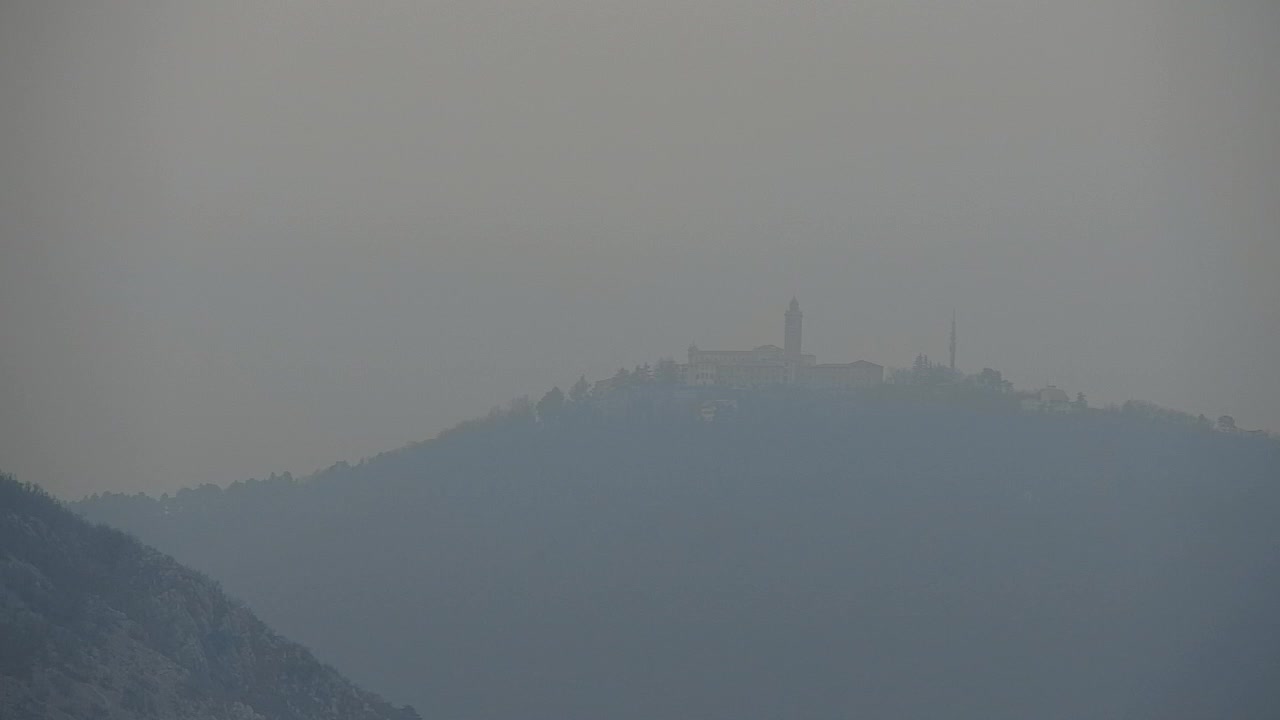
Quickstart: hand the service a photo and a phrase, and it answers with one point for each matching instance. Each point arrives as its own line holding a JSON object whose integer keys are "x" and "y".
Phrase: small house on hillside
{"x": 841, "y": 376}
{"x": 1051, "y": 399}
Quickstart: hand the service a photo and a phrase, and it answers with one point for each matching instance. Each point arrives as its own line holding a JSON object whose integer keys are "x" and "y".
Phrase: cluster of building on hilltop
{"x": 789, "y": 365}
{"x": 773, "y": 365}
{"x": 770, "y": 365}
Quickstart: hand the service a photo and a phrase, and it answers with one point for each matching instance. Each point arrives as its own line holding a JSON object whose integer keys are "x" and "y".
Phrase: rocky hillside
{"x": 93, "y": 624}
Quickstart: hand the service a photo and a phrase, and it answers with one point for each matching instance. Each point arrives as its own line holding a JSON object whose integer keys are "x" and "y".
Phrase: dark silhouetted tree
{"x": 991, "y": 380}
{"x": 580, "y": 391}
{"x": 921, "y": 365}
{"x": 642, "y": 375}
{"x": 620, "y": 379}
{"x": 668, "y": 372}
{"x": 551, "y": 405}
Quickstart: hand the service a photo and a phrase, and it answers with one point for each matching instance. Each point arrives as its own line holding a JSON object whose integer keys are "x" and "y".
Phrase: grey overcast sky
{"x": 245, "y": 237}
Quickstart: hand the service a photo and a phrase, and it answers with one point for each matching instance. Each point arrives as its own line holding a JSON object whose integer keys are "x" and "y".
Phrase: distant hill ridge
{"x": 95, "y": 625}
{"x": 798, "y": 555}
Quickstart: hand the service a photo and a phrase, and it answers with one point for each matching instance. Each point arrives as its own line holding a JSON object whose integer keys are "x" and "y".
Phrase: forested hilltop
{"x": 771, "y": 554}
{"x": 95, "y": 625}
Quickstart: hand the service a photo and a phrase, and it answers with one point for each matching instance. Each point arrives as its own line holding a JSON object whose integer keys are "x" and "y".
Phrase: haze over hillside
{"x": 243, "y": 238}
{"x": 957, "y": 323}
{"x": 801, "y": 554}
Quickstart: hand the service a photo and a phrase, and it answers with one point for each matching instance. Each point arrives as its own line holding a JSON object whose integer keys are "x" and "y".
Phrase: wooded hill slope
{"x": 796, "y": 558}
{"x": 95, "y": 625}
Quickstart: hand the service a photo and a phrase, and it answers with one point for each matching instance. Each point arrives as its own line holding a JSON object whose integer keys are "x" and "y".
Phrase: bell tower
{"x": 791, "y": 339}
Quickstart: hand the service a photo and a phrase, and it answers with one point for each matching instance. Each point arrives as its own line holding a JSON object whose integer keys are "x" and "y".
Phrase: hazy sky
{"x": 238, "y": 238}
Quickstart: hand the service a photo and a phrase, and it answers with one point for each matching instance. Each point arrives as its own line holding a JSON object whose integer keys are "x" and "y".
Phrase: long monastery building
{"x": 773, "y": 365}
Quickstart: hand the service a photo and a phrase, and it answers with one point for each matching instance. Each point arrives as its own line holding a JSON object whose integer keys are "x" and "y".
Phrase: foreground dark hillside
{"x": 793, "y": 559}
{"x": 95, "y": 625}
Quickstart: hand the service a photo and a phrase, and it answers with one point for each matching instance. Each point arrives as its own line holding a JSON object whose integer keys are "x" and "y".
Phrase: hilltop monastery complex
{"x": 773, "y": 365}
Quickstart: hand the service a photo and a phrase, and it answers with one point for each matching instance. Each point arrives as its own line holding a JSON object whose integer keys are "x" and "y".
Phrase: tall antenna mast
{"x": 953, "y": 340}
